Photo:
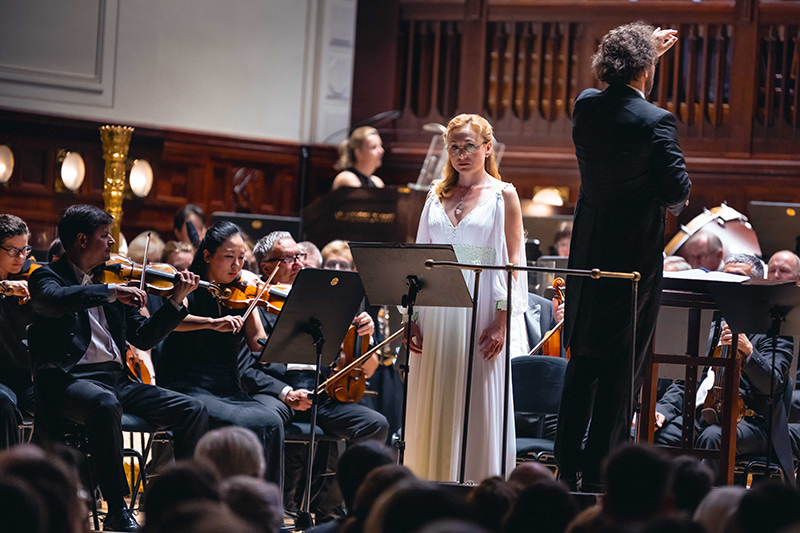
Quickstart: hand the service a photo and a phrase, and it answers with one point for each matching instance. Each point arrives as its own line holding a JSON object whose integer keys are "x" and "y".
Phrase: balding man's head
{"x": 703, "y": 250}
{"x": 784, "y": 266}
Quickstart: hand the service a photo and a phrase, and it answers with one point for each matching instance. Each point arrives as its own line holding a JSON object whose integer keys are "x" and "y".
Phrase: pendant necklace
{"x": 460, "y": 206}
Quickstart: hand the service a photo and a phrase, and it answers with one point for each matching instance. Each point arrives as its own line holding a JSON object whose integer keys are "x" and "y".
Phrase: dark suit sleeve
{"x": 669, "y": 167}
{"x": 758, "y": 366}
{"x": 145, "y": 333}
{"x": 52, "y": 299}
{"x": 671, "y": 404}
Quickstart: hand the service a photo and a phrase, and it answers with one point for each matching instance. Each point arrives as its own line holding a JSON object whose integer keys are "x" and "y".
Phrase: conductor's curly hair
{"x": 625, "y": 53}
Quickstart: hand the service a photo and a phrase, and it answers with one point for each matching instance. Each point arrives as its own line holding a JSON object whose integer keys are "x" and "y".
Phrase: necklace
{"x": 460, "y": 206}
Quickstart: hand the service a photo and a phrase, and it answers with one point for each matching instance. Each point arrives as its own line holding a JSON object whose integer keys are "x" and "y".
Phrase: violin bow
{"x": 254, "y": 303}
{"x": 144, "y": 261}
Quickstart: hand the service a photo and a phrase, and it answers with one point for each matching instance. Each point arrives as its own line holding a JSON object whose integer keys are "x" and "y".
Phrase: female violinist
{"x": 16, "y": 386}
{"x": 204, "y": 350}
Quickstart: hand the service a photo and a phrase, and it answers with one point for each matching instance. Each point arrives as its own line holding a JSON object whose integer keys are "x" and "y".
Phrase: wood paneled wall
{"x": 219, "y": 173}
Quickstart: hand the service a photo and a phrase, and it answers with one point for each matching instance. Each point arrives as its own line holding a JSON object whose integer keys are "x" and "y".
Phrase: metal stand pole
{"x": 468, "y": 394}
{"x": 506, "y": 388}
{"x": 634, "y": 323}
{"x": 408, "y": 303}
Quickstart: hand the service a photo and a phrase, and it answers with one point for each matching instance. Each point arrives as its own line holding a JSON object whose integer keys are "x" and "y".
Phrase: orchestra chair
{"x": 299, "y": 433}
{"x": 26, "y": 430}
{"x": 537, "y": 382}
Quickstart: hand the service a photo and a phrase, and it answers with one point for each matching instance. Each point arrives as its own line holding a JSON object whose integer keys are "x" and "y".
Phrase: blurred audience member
{"x": 189, "y": 224}
{"x": 673, "y": 525}
{"x": 691, "y": 482}
{"x": 784, "y": 266}
{"x": 377, "y": 482}
{"x": 178, "y": 254}
{"x": 336, "y": 256}
{"x": 313, "y": 256}
{"x": 187, "y": 481}
{"x": 22, "y": 510}
{"x": 411, "y": 504}
{"x": 703, "y": 250}
{"x": 562, "y": 239}
{"x": 718, "y": 508}
{"x": 768, "y": 508}
{"x": 136, "y": 248}
{"x": 453, "y": 526}
{"x": 255, "y": 501}
{"x": 546, "y": 504}
{"x": 490, "y": 501}
{"x": 199, "y": 517}
{"x": 590, "y": 520}
{"x": 55, "y": 251}
{"x": 528, "y": 473}
{"x": 232, "y": 451}
{"x": 676, "y": 263}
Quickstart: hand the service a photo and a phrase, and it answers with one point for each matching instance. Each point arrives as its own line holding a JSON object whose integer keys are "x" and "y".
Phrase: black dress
{"x": 366, "y": 181}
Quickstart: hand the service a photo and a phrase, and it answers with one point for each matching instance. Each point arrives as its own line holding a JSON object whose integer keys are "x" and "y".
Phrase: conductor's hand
{"x": 416, "y": 337}
{"x": 17, "y": 288}
{"x": 366, "y": 327}
{"x": 298, "y": 399}
{"x": 726, "y": 338}
{"x": 227, "y": 324}
{"x": 558, "y": 310}
{"x": 185, "y": 283}
{"x": 493, "y": 337}
{"x": 131, "y": 295}
{"x": 665, "y": 39}
{"x": 660, "y": 419}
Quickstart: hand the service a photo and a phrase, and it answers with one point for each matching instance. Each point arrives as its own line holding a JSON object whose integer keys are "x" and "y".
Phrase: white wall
{"x": 258, "y": 68}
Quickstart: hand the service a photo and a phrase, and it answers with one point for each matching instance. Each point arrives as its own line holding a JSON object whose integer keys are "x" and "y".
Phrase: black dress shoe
{"x": 121, "y": 520}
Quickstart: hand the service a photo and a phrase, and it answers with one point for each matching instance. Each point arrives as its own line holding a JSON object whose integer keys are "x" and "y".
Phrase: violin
{"x": 137, "y": 367}
{"x": 712, "y": 405}
{"x": 349, "y": 386}
{"x": 551, "y": 342}
{"x": 250, "y": 289}
{"x": 27, "y": 269}
{"x": 159, "y": 278}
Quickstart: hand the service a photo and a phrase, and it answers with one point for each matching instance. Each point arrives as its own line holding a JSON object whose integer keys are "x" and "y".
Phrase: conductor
{"x": 632, "y": 171}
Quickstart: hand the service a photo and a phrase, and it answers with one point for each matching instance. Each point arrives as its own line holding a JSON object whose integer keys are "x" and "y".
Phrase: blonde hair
{"x": 337, "y": 247}
{"x": 481, "y": 126}
{"x": 174, "y": 247}
{"x": 136, "y": 247}
{"x": 348, "y": 147}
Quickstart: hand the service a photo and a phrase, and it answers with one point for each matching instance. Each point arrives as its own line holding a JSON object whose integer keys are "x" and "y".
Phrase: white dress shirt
{"x": 102, "y": 347}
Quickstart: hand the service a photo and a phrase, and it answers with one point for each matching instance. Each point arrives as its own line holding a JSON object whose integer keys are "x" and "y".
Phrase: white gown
{"x": 436, "y": 388}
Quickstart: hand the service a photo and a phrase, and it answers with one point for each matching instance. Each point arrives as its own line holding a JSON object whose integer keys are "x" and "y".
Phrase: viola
{"x": 551, "y": 342}
{"x": 159, "y": 278}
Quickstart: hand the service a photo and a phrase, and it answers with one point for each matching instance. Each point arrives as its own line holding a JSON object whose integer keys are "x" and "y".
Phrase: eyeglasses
{"x": 337, "y": 265}
{"x": 16, "y": 252}
{"x": 468, "y": 148}
{"x": 289, "y": 260}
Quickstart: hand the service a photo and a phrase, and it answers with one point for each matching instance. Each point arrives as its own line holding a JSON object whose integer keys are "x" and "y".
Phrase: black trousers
{"x": 95, "y": 397}
{"x": 16, "y": 400}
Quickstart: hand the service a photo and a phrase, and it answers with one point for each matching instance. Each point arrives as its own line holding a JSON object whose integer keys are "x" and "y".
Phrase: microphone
{"x": 191, "y": 231}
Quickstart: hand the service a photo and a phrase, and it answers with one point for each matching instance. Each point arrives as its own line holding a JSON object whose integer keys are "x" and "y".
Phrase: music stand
{"x": 317, "y": 312}
{"x": 395, "y": 274}
{"x": 760, "y": 306}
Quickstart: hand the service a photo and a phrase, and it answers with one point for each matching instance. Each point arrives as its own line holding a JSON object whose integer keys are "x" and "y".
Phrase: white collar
{"x": 638, "y": 91}
{"x": 83, "y": 277}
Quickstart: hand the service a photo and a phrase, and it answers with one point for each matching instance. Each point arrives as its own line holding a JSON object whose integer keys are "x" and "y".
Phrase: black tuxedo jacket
{"x": 632, "y": 171}
{"x": 60, "y": 332}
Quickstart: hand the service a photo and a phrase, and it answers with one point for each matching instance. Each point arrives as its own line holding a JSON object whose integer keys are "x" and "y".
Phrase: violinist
{"x": 16, "y": 385}
{"x": 200, "y": 357}
{"x": 292, "y": 383}
{"x": 77, "y": 343}
{"x": 755, "y": 353}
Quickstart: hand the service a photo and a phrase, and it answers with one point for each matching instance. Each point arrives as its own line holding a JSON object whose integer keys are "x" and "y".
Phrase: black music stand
{"x": 395, "y": 274}
{"x": 317, "y": 312}
{"x": 760, "y": 306}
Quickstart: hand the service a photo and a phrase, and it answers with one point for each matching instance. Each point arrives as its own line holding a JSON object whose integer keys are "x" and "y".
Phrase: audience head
{"x": 364, "y": 147}
{"x": 356, "y": 464}
{"x": 14, "y": 240}
{"x": 464, "y": 130}
{"x": 625, "y": 54}
{"x": 454, "y": 526}
{"x": 22, "y": 510}
{"x": 547, "y": 504}
{"x": 691, "y": 482}
{"x": 85, "y": 231}
{"x": 638, "y": 481}
{"x": 199, "y": 517}
{"x": 676, "y": 263}
{"x": 718, "y": 508}
{"x": 562, "y": 238}
{"x": 376, "y": 483}
{"x": 220, "y": 256}
{"x": 490, "y": 501}
{"x": 232, "y": 451}
{"x": 53, "y": 481}
{"x": 186, "y": 481}
{"x": 336, "y": 256}
{"x": 55, "y": 251}
{"x": 136, "y": 248}
{"x": 673, "y": 525}
{"x": 178, "y": 254}
{"x": 784, "y": 266}
{"x": 279, "y": 249}
{"x": 193, "y": 214}
{"x": 768, "y": 508}
{"x": 528, "y": 473}
{"x": 703, "y": 250}
{"x": 313, "y": 256}
{"x": 744, "y": 265}
{"x": 411, "y": 504}
{"x": 255, "y": 501}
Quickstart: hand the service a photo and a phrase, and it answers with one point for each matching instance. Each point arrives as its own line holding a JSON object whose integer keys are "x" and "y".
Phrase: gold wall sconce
{"x": 6, "y": 163}
{"x": 555, "y": 196}
{"x": 72, "y": 172}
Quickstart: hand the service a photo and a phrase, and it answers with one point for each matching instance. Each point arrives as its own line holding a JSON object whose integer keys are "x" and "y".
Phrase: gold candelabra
{"x": 115, "y": 152}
